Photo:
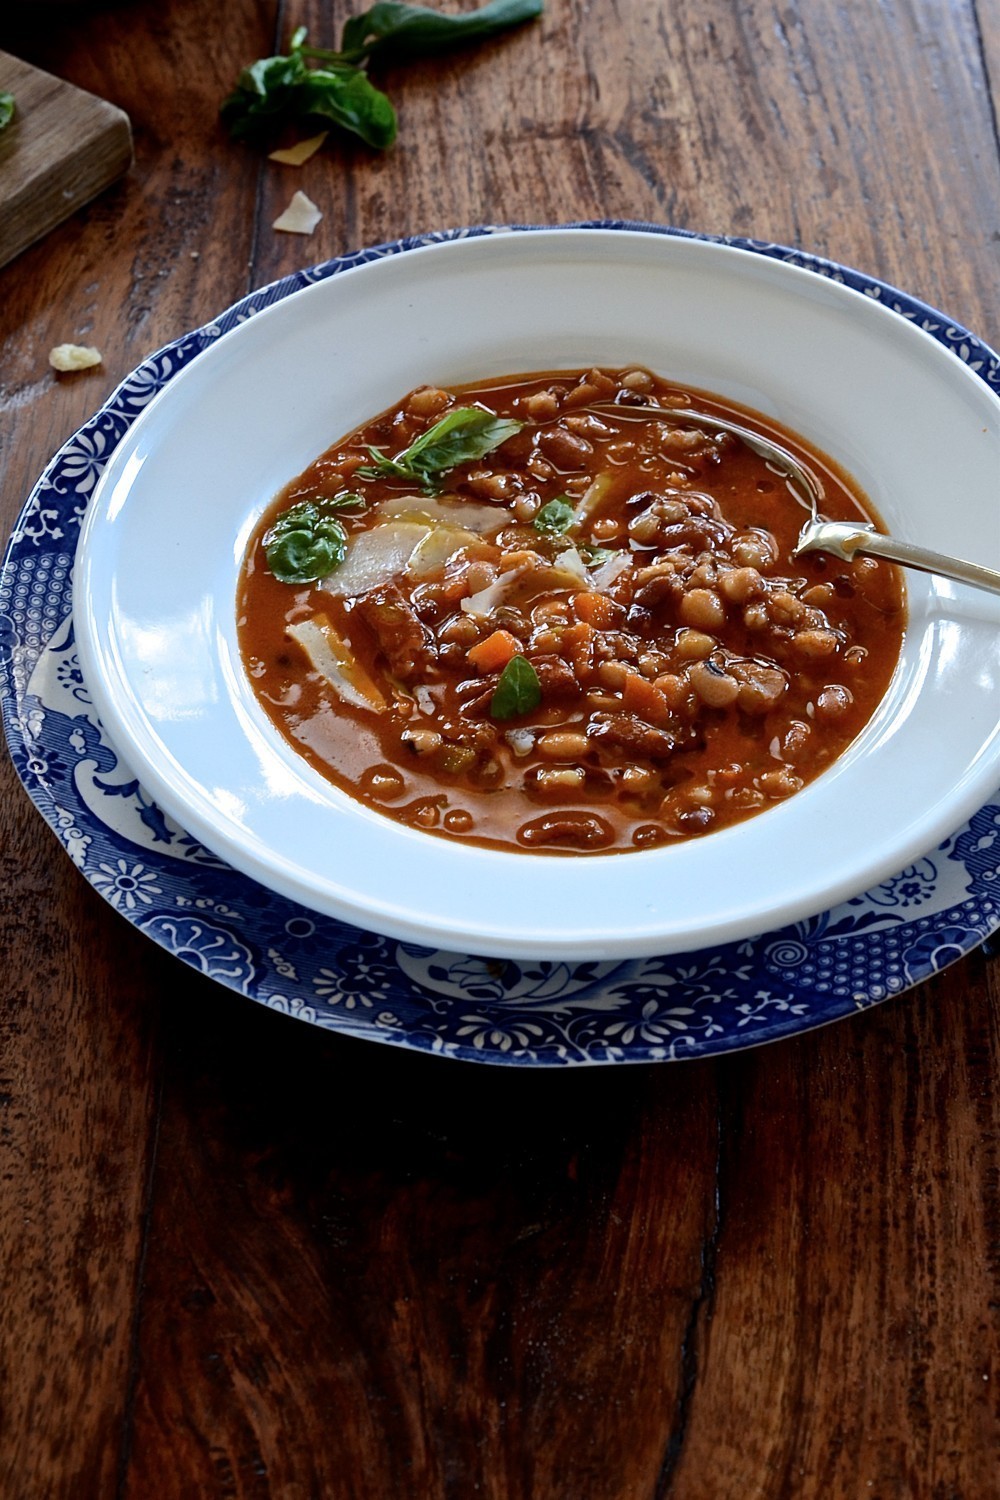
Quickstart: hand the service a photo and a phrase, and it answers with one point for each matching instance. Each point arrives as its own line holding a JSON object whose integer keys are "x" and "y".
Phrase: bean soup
{"x": 547, "y": 613}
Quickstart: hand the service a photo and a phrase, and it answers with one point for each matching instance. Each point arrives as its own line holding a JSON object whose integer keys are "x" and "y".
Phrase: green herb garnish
{"x": 346, "y": 500}
{"x": 6, "y": 109}
{"x": 518, "y": 690}
{"x": 466, "y": 433}
{"x": 592, "y": 555}
{"x": 556, "y": 517}
{"x": 315, "y": 84}
{"x": 276, "y": 92}
{"x": 307, "y": 542}
{"x": 405, "y": 31}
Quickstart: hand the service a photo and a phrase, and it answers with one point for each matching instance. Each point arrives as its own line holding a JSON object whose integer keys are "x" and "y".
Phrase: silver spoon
{"x": 844, "y": 539}
{"x": 797, "y": 476}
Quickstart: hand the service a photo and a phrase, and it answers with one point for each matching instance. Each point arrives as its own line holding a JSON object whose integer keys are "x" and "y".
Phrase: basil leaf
{"x": 466, "y": 433}
{"x": 350, "y": 100}
{"x": 592, "y": 555}
{"x": 382, "y": 467}
{"x": 346, "y": 501}
{"x": 555, "y": 518}
{"x": 304, "y": 516}
{"x": 304, "y": 544}
{"x": 417, "y": 31}
{"x": 6, "y": 109}
{"x": 265, "y": 98}
{"x": 277, "y": 92}
{"x": 518, "y": 691}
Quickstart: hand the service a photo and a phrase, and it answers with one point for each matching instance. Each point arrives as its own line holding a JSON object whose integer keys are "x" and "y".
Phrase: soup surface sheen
{"x": 533, "y": 615}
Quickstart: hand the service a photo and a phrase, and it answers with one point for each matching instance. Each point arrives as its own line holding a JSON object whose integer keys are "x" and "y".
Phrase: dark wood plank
{"x": 82, "y": 992}
{"x": 77, "y": 1026}
{"x": 369, "y": 1273}
{"x": 608, "y": 1354}
{"x": 987, "y": 15}
{"x": 852, "y": 1338}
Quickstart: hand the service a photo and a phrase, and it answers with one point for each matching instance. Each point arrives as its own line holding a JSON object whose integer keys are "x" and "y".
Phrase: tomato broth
{"x": 547, "y": 613}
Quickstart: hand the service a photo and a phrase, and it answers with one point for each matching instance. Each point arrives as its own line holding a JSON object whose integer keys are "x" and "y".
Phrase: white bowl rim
{"x": 142, "y": 750}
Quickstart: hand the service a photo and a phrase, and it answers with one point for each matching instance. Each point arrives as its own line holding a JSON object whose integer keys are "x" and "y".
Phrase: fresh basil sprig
{"x": 277, "y": 92}
{"x": 307, "y": 541}
{"x": 466, "y": 433}
{"x": 555, "y": 518}
{"x": 6, "y": 109}
{"x": 406, "y": 31}
{"x": 518, "y": 690}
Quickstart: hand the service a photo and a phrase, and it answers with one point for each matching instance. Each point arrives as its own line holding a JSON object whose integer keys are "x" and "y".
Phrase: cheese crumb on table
{"x": 300, "y": 217}
{"x": 67, "y": 357}
{"x": 294, "y": 156}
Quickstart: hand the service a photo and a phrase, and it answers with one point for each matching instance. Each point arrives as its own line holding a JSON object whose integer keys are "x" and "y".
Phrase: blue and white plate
{"x": 293, "y": 960}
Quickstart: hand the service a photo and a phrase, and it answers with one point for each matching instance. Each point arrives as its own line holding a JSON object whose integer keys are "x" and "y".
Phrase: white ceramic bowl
{"x": 165, "y": 534}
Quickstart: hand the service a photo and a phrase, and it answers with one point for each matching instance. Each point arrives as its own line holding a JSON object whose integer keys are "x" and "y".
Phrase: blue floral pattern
{"x": 302, "y": 964}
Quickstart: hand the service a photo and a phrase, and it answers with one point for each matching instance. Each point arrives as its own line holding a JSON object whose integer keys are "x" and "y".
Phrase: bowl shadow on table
{"x": 484, "y": 1266}
{"x": 337, "y": 1096}
{"x": 350, "y": 1148}
{"x": 312, "y": 1106}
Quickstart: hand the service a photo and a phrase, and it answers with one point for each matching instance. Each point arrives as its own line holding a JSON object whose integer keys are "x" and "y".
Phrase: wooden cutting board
{"x": 62, "y": 148}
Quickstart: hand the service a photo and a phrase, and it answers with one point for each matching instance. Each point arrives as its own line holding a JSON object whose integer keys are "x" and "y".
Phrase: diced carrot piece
{"x": 493, "y": 654}
{"x": 597, "y": 609}
{"x": 645, "y": 700}
{"x": 578, "y": 635}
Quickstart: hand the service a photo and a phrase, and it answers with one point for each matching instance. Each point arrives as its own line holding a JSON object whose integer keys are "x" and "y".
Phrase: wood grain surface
{"x": 245, "y": 1258}
{"x": 63, "y": 147}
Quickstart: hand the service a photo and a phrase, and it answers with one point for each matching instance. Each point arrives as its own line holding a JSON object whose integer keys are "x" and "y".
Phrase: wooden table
{"x": 245, "y": 1258}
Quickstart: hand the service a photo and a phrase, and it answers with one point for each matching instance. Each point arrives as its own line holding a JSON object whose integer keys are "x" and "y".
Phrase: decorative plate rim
{"x": 525, "y": 1014}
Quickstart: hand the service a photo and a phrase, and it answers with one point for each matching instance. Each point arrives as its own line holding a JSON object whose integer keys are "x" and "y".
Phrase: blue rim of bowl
{"x": 241, "y": 934}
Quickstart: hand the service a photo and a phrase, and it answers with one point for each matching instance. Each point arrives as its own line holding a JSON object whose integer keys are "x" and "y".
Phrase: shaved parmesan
{"x": 66, "y": 357}
{"x": 486, "y": 601}
{"x": 482, "y": 519}
{"x": 375, "y": 557}
{"x": 300, "y": 217}
{"x": 294, "y": 156}
{"x": 603, "y": 577}
{"x": 436, "y": 548}
{"x": 332, "y": 658}
{"x": 571, "y": 563}
{"x": 592, "y": 499}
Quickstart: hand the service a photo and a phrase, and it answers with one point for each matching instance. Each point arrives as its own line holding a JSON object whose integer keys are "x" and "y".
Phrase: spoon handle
{"x": 846, "y": 539}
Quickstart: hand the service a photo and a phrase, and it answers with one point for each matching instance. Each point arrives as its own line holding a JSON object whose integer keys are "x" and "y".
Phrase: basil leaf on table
{"x": 405, "y": 31}
{"x": 305, "y": 543}
{"x": 350, "y": 100}
{"x": 276, "y": 92}
{"x": 518, "y": 691}
{"x": 6, "y": 109}
{"x": 555, "y": 518}
{"x": 466, "y": 433}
